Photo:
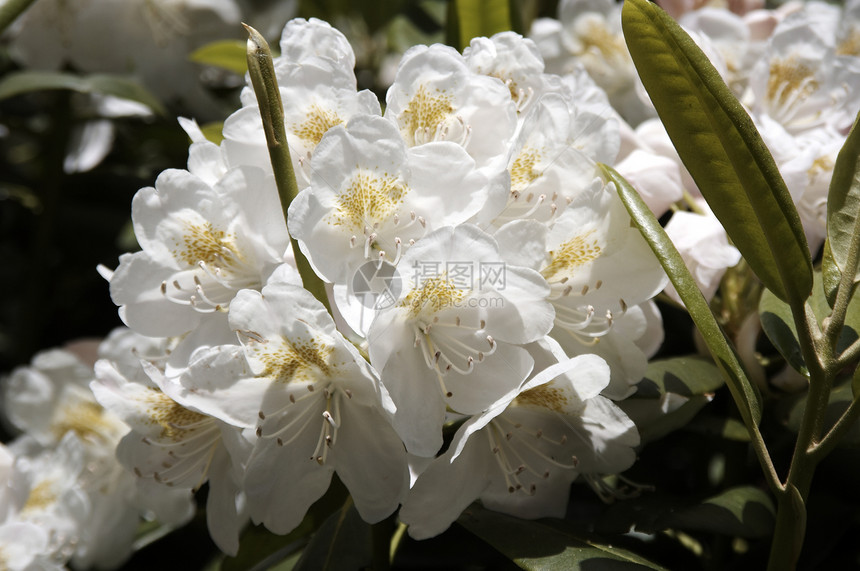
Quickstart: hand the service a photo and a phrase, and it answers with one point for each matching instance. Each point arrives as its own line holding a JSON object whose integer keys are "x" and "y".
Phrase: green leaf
{"x": 721, "y": 148}
{"x": 258, "y": 547}
{"x": 744, "y": 511}
{"x": 540, "y": 546}
{"x": 843, "y": 204}
{"x": 831, "y": 274}
{"x": 778, "y": 324}
{"x": 671, "y": 394}
{"x": 225, "y": 54}
{"x": 343, "y": 542}
{"x": 22, "y": 82}
{"x": 744, "y": 393}
{"x": 469, "y": 19}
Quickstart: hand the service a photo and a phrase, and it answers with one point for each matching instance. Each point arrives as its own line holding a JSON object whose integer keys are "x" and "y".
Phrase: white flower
{"x": 313, "y": 400}
{"x": 702, "y": 243}
{"x": 513, "y": 59}
{"x": 200, "y": 245}
{"x": 436, "y": 97}
{"x": 599, "y": 268}
{"x": 43, "y": 491}
{"x": 371, "y": 196}
{"x": 318, "y": 87}
{"x": 171, "y": 445}
{"x": 451, "y": 339}
{"x": 520, "y": 456}
{"x": 588, "y": 33}
{"x": 552, "y": 158}
{"x": 802, "y": 83}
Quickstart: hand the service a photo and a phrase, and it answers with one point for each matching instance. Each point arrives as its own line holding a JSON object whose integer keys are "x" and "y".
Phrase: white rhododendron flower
{"x": 520, "y": 456}
{"x": 43, "y": 502}
{"x": 172, "y": 445}
{"x": 801, "y": 82}
{"x": 201, "y": 244}
{"x": 312, "y": 401}
{"x": 702, "y": 243}
{"x": 436, "y": 97}
{"x": 513, "y": 59}
{"x": 452, "y": 338}
{"x": 371, "y": 196}
{"x": 585, "y": 258}
{"x": 315, "y": 75}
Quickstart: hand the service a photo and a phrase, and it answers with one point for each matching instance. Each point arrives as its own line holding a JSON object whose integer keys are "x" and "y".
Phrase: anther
{"x": 483, "y": 324}
{"x": 598, "y": 284}
{"x": 279, "y": 441}
{"x": 259, "y": 431}
{"x": 292, "y": 398}
{"x": 261, "y": 415}
{"x": 491, "y": 341}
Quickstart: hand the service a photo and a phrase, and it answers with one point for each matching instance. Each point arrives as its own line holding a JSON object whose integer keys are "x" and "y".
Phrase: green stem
{"x": 10, "y": 10}
{"x": 790, "y": 527}
{"x": 265, "y": 84}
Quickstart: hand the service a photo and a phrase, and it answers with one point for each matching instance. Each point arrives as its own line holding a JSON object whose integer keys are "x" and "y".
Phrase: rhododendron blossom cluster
{"x": 511, "y": 300}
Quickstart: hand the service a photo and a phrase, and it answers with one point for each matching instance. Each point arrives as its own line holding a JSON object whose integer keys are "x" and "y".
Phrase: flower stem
{"x": 262, "y": 72}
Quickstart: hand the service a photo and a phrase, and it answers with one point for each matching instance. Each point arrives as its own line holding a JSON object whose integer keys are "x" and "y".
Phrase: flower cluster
{"x": 795, "y": 69}
{"x": 482, "y": 278}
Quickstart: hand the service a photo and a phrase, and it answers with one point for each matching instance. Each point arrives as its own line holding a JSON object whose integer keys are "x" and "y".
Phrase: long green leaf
{"x": 539, "y": 546}
{"x": 745, "y": 394}
{"x": 469, "y": 19}
{"x": 28, "y": 81}
{"x": 843, "y": 203}
{"x": 721, "y": 148}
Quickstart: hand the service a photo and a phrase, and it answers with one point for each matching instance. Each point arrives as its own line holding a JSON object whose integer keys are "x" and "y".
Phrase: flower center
{"x": 317, "y": 124}
{"x": 576, "y": 252}
{"x": 368, "y": 200}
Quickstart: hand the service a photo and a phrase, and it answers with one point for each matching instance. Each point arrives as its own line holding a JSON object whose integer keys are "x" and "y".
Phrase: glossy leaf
{"x": 831, "y": 274}
{"x": 341, "y": 543}
{"x": 843, "y": 203}
{"x": 469, "y": 19}
{"x": 671, "y": 394}
{"x": 225, "y": 54}
{"x": 28, "y": 81}
{"x": 721, "y": 148}
{"x": 745, "y": 394}
{"x": 538, "y": 545}
{"x": 778, "y": 324}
